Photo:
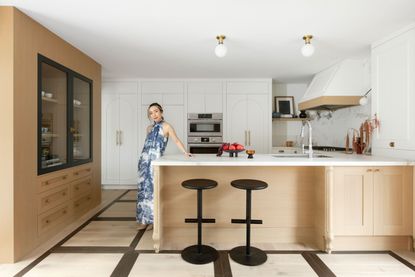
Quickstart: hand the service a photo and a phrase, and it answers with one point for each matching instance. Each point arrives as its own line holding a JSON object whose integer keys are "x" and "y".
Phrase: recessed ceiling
{"x": 176, "y": 38}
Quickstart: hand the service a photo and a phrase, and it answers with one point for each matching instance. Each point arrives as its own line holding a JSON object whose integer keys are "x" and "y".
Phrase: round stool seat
{"x": 199, "y": 184}
{"x": 249, "y": 184}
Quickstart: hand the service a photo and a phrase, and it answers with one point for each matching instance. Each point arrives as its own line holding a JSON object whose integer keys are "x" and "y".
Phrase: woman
{"x": 156, "y": 141}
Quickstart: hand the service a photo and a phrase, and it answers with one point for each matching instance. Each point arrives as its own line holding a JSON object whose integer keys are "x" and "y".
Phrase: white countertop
{"x": 336, "y": 159}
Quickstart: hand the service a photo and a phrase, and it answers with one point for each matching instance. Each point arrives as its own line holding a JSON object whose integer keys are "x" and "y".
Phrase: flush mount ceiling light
{"x": 308, "y": 49}
{"x": 221, "y": 49}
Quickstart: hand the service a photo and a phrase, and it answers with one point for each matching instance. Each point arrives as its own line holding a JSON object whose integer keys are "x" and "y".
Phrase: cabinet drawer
{"x": 81, "y": 186}
{"x": 82, "y": 204}
{"x": 52, "y": 218}
{"x": 53, "y": 180}
{"x": 81, "y": 172}
{"x": 53, "y": 198}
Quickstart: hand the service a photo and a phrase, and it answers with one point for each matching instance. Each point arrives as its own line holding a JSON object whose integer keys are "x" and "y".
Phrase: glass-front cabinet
{"x": 65, "y": 117}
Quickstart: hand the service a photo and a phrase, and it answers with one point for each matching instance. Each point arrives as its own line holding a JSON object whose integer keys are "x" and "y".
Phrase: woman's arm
{"x": 171, "y": 133}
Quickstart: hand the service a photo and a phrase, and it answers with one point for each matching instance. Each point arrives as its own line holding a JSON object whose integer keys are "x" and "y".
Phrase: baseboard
{"x": 119, "y": 186}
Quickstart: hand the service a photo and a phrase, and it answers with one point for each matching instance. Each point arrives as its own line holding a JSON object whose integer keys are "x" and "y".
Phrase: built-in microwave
{"x": 204, "y": 124}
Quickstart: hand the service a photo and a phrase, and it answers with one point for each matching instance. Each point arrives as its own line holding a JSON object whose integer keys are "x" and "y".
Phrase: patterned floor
{"x": 112, "y": 244}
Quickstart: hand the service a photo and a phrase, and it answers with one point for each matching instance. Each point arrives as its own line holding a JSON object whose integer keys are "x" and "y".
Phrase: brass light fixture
{"x": 221, "y": 49}
{"x": 308, "y": 49}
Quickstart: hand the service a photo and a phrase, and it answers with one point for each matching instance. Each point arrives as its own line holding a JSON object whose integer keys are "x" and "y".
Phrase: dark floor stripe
{"x": 113, "y": 219}
{"x": 222, "y": 267}
{"x": 161, "y": 252}
{"x": 125, "y": 265}
{"x": 32, "y": 264}
{"x": 126, "y": 200}
{"x": 91, "y": 249}
{"x": 48, "y": 252}
{"x": 402, "y": 260}
{"x": 137, "y": 238}
{"x": 317, "y": 265}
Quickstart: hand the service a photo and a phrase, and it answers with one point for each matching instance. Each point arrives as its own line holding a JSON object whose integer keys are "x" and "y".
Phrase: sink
{"x": 294, "y": 155}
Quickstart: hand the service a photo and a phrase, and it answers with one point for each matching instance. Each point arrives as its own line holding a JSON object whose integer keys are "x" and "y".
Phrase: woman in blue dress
{"x": 155, "y": 144}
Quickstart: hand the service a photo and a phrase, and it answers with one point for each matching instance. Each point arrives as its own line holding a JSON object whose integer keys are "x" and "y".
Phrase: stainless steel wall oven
{"x": 204, "y": 132}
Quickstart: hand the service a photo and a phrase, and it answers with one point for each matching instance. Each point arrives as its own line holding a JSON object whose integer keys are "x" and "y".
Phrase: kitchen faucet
{"x": 310, "y": 138}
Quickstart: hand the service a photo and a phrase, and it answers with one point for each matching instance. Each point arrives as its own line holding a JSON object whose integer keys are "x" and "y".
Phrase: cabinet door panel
{"x": 393, "y": 86}
{"x": 213, "y": 103}
{"x": 353, "y": 201}
{"x": 257, "y": 120}
{"x": 128, "y": 139}
{"x": 393, "y": 201}
{"x": 236, "y": 119}
{"x": 195, "y": 102}
{"x": 110, "y": 150}
{"x": 147, "y": 99}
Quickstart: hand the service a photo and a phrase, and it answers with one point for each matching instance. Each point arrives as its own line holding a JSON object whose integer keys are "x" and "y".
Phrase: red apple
{"x": 232, "y": 147}
{"x": 225, "y": 147}
{"x": 239, "y": 147}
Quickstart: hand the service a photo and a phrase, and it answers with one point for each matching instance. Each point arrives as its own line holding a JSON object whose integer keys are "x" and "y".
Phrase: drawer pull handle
{"x": 47, "y": 183}
{"x": 76, "y": 188}
{"x": 47, "y": 221}
{"x": 376, "y": 170}
{"x": 47, "y": 201}
{"x": 88, "y": 169}
{"x": 64, "y": 177}
{"x": 392, "y": 144}
{"x": 369, "y": 170}
{"x": 64, "y": 212}
{"x": 63, "y": 193}
{"x": 88, "y": 183}
{"x": 76, "y": 205}
{"x": 89, "y": 198}
{"x": 76, "y": 173}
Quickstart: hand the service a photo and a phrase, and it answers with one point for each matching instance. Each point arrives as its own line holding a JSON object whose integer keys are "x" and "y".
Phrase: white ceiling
{"x": 176, "y": 38}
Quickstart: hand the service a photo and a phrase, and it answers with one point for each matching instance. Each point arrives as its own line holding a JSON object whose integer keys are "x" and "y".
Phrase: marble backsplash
{"x": 330, "y": 128}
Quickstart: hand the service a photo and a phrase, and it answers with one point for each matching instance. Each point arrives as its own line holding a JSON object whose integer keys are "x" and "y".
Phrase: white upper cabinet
{"x": 204, "y": 97}
{"x": 393, "y": 96}
{"x": 248, "y": 110}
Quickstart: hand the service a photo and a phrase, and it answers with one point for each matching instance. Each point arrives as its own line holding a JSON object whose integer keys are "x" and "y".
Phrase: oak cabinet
{"x": 372, "y": 201}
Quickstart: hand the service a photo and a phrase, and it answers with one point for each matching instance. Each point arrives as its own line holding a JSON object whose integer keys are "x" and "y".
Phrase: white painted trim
{"x": 393, "y": 35}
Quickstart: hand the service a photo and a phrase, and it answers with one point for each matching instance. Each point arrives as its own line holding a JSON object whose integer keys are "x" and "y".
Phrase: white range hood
{"x": 339, "y": 86}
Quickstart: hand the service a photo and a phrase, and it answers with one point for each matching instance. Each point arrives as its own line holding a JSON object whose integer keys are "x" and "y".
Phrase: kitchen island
{"x": 342, "y": 202}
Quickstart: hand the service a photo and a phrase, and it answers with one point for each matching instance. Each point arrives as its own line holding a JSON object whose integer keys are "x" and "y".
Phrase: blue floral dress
{"x": 154, "y": 147}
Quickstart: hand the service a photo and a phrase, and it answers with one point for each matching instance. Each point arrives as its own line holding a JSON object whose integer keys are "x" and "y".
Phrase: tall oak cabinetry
{"x": 393, "y": 96}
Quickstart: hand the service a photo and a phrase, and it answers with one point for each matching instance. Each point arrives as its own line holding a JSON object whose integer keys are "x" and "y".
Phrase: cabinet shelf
{"x": 52, "y": 100}
{"x": 289, "y": 119}
{"x": 49, "y": 135}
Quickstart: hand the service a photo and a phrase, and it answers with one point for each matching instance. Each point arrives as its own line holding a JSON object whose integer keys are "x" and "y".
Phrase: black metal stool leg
{"x": 199, "y": 254}
{"x": 248, "y": 255}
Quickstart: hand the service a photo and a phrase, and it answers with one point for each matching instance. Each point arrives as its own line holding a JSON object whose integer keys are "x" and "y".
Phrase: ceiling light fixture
{"x": 221, "y": 49}
{"x": 308, "y": 49}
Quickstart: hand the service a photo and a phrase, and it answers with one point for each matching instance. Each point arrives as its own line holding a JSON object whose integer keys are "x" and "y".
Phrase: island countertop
{"x": 335, "y": 159}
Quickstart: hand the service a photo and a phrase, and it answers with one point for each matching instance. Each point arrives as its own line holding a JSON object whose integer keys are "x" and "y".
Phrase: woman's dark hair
{"x": 157, "y": 105}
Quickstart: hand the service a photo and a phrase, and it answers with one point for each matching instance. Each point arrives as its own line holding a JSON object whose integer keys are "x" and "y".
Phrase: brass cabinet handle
{"x": 376, "y": 170}
{"x": 64, "y": 212}
{"x": 47, "y": 201}
{"x": 76, "y": 188}
{"x": 63, "y": 193}
{"x": 392, "y": 144}
{"x": 369, "y": 170}
{"x": 47, "y": 221}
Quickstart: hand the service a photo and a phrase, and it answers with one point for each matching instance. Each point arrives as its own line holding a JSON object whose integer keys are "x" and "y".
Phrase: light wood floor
{"x": 111, "y": 243}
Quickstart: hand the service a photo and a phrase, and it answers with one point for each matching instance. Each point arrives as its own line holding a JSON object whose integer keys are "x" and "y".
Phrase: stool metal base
{"x": 256, "y": 257}
{"x": 208, "y": 254}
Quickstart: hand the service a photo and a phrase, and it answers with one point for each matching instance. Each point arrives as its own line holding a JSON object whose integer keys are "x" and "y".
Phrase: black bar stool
{"x": 248, "y": 255}
{"x": 199, "y": 253}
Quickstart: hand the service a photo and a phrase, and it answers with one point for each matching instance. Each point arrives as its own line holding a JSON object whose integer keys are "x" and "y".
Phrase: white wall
{"x": 329, "y": 129}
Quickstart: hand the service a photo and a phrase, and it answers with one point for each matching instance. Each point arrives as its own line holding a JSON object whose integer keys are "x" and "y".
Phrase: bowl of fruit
{"x": 232, "y": 148}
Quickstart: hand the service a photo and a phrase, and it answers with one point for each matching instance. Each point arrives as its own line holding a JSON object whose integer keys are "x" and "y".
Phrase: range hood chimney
{"x": 339, "y": 86}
